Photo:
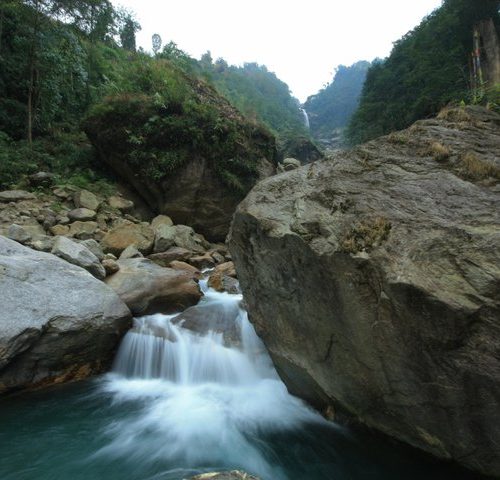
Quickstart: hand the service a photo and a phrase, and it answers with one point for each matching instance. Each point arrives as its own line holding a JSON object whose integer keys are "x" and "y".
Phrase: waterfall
{"x": 306, "y": 118}
{"x": 207, "y": 390}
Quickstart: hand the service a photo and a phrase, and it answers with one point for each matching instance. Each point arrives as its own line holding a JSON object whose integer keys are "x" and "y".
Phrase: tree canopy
{"x": 427, "y": 69}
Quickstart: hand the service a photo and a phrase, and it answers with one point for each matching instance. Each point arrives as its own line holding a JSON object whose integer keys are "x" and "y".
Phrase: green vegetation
{"x": 72, "y": 65}
{"x": 427, "y": 69}
{"x": 158, "y": 117}
{"x": 69, "y": 64}
{"x": 52, "y": 71}
{"x": 333, "y": 106}
{"x": 257, "y": 93}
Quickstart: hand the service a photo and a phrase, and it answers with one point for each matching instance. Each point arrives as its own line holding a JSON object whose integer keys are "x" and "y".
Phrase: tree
{"x": 156, "y": 40}
{"x": 427, "y": 69}
{"x": 127, "y": 32}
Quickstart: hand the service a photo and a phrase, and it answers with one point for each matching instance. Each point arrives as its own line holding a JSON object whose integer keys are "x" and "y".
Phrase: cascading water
{"x": 306, "y": 118}
{"x": 209, "y": 398}
{"x": 190, "y": 393}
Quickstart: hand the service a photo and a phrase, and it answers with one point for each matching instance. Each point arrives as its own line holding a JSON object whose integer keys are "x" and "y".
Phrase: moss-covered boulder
{"x": 186, "y": 150}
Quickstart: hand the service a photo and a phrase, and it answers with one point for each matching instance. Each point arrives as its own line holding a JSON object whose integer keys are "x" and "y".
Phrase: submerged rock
{"x": 374, "y": 280}
{"x": 147, "y": 288}
{"x": 233, "y": 475}
{"x": 49, "y": 331}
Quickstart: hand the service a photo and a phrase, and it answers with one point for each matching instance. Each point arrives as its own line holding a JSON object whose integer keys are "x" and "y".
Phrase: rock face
{"x": 58, "y": 322}
{"x": 147, "y": 288}
{"x": 374, "y": 280}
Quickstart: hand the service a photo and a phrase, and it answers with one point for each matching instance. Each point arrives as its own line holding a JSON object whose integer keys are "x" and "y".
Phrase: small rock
{"x": 109, "y": 256}
{"x": 94, "y": 247}
{"x": 59, "y": 230}
{"x": 164, "y": 237}
{"x": 80, "y": 255}
{"x": 218, "y": 258}
{"x": 161, "y": 220}
{"x": 202, "y": 261}
{"x": 18, "y": 234}
{"x": 291, "y": 164}
{"x": 227, "y": 269}
{"x": 86, "y": 199}
{"x": 174, "y": 253}
{"x": 15, "y": 196}
{"x": 120, "y": 203}
{"x": 83, "y": 230}
{"x": 61, "y": 193}
{"x": 110, "y": 266}
{"x": 127, "y": 233}
{"x": 99, "y": 235}
{"x": 82, "y": 214}
{"x": 223, "y": 278}
{"x": 41, "y": 179}
{"x": 49, "y": 221}
{"x": 42, "y": 243}
{"x": 131, "y": 218}
{"x": 177, "y": 265}
{"x": 63, "y": 219}
{"x": 130, "y": 252}
{"x": 232, "y": 475}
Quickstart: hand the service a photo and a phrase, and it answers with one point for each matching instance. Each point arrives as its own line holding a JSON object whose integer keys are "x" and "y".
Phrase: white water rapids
{"x": 201, "y": 402}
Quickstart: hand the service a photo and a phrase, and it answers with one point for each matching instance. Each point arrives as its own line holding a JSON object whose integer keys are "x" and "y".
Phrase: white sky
{"x": 301, "y": 41}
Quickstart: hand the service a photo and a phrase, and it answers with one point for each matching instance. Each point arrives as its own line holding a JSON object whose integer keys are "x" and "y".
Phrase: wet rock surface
{"x": 148, "y": 288}
{"x": 233, "y": 475}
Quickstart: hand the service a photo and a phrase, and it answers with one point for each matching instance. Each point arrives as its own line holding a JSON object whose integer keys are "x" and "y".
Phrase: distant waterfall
{"x": 306, "y": 118}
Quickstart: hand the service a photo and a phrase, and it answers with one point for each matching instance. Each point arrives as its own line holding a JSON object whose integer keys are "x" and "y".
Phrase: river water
{"x": 183, "y": 401}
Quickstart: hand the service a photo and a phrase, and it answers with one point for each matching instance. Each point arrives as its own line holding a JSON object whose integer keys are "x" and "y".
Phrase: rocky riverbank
{"x": 75, "y": 267}
{"x": 373, "y": 278}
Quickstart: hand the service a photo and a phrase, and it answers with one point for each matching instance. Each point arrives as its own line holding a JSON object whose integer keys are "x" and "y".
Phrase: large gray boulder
{"x": 58, "y": 322}
{"x": 374, "y": 280}
{"x": 147, "y": 288}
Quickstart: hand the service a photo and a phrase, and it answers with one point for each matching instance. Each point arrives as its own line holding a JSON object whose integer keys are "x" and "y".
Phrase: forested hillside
{"x": 332, "y": 107}
{"x": 257, "y": 92}
{"x": 62, "y": 59}
{"x": 428, "y": 68}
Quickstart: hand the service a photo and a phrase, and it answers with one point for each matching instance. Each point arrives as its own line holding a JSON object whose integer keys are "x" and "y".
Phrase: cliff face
{"x": 374, "y": 279}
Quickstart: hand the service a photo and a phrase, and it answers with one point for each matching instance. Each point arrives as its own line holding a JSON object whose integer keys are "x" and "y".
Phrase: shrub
{"x": 472, "y": 167}
{"x": 366, "y": 235}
